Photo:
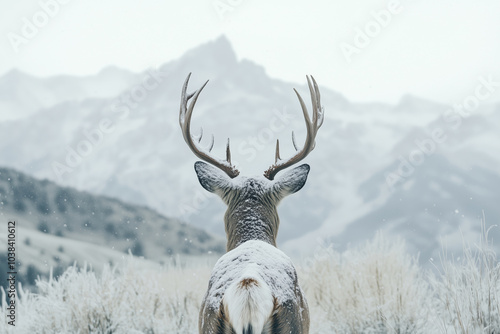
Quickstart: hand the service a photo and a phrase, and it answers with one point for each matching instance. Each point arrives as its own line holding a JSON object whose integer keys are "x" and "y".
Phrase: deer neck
{"x": 251, "y": 220}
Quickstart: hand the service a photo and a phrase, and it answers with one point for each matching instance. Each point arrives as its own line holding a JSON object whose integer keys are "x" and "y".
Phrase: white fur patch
{"x": 248, "y": 301}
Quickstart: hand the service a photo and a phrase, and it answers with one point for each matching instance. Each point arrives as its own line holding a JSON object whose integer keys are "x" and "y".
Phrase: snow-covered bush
{"x": 468, "y": 290}
{"x": 130, "y": 300}
{"x": 376, "y": 288}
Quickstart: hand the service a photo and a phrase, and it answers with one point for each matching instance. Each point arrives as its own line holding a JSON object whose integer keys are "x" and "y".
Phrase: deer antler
{"x": 312, "y": 129}
{"x": 185, "y": 122}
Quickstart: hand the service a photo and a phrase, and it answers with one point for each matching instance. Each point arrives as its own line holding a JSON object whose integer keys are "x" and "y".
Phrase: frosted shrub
{"x": 376, "y": 288}
{"x": 373, "y": 289}
{"x": 127, "y": 301}
{"x": 468, "y": 290}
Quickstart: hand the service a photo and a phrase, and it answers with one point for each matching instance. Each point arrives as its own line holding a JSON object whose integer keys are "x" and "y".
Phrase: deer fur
{"x": 254, "y": 287}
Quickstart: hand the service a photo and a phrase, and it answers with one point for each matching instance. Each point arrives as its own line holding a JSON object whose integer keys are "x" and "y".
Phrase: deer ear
{"x": 292, "y": 180}
{"x": 210, "y": 177}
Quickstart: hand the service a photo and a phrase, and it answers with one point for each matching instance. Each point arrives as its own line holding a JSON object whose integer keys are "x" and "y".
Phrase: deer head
{"x": 251, "y": 201}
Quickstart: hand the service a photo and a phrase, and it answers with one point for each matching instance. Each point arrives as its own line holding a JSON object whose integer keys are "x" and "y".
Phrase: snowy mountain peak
{"x": 13, "y": 74}
{"x": 219, "y": 51}
{"x": 111, "y": 70}
{"x": 14, "y": 77}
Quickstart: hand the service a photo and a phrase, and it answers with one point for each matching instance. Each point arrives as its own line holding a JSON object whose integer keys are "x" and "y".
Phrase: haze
{"x": 435, "y": 50}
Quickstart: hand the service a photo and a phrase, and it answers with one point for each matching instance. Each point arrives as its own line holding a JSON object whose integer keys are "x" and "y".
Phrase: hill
{"x": 58, "y": 225}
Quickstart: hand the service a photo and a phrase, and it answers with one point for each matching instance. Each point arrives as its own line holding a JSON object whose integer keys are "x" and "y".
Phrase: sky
{"x": 367, "y": 50}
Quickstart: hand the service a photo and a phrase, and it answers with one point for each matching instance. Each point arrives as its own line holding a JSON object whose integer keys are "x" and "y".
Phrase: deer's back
{"x": 266, "y": 263}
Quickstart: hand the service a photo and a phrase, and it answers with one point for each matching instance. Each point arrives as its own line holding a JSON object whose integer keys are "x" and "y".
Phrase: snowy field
{"x": 376, "y": 288}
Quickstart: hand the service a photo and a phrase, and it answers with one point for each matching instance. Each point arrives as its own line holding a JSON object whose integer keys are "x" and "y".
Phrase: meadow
{"x": 374, "y": 288}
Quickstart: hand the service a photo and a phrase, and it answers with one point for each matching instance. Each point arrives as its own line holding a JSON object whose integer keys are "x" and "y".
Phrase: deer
{"x": 253, "y": 287}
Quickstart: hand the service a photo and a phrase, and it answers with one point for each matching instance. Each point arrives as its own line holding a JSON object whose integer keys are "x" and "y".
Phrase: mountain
{"x": 21, "y": 95}
{"x": 143, "y": 159}
{"x": 428, "y": 207}
{"x": 129, "y": 145}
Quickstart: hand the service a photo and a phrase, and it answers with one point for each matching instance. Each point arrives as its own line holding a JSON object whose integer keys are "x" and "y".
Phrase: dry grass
{"x": 468, "y": 290}
{"x": 376, "y": 288}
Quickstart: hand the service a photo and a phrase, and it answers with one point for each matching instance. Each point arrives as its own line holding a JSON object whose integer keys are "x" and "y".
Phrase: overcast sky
{"x": 435, "y": 49}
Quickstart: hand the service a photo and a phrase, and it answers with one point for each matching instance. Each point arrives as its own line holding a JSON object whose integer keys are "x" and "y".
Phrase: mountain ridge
{"x": 144, "y": 159}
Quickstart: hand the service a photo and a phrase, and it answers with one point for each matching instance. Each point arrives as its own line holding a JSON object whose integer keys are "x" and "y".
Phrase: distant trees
{"x": 137, "y": 248}
{"x": 43, "y": 226}
{"x": 31, "y": 274}
{"x": 23, "y": 191}
{"x": 26, "y": 275}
